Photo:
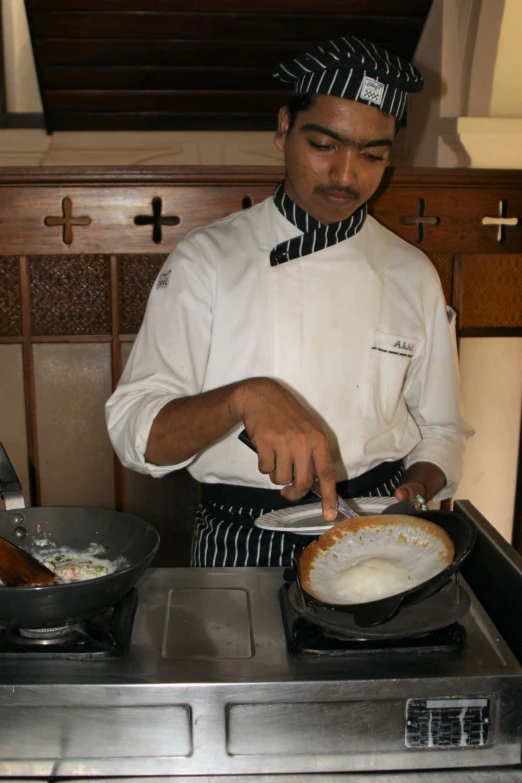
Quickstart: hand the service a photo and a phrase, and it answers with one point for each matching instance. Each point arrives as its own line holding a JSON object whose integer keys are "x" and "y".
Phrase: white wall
{"x": 22, "y": 92}
{"x": 470, "y": 113}
{"x": 491, "y": 377}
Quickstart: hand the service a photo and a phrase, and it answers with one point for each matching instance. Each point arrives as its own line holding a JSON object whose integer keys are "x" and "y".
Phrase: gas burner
{"x": 45, "y": 633}
{"x": 425, "y": 609}
{"x": 102, "y": 635}
{"x": 312, "y": 628}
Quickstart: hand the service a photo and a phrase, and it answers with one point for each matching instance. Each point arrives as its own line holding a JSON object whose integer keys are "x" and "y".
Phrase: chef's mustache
{"x": 337, "y": 191}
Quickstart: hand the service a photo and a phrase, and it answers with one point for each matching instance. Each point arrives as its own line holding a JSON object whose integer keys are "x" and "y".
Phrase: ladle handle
{"x": 8, "y": 479}
{"x": 243, "y": 437}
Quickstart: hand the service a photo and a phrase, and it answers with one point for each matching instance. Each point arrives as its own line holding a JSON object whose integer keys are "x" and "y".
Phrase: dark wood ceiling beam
{"x": 222, "y": 27}
{"x": 377, "y": 7}
{"x": 157, "y": 78}
{"x": 215, "y": 101}
{"x": 202, "y": 64}
{"x": 146, "y": 121}
{"x": 263, "y": 55}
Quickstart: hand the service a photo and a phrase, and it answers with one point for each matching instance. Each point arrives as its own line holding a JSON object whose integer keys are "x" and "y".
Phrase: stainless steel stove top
{"x": 209, "y": 688}
{"x": 211, "y": 625}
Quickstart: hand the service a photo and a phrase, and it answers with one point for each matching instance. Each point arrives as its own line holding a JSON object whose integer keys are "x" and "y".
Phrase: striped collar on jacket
{"x": 316, "y": 236}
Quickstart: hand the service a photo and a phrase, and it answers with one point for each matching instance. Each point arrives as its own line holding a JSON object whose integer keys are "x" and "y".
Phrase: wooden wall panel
{"x": 435, "y": 219}
{"x": 112, "y": 211}
{"x": 66, "y": 290}
{"x": 110, "y": 200}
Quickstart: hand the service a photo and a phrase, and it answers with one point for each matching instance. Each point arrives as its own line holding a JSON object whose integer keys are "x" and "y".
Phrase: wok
{"x": 463, "y": 534}
{"x": 118, "y": 533}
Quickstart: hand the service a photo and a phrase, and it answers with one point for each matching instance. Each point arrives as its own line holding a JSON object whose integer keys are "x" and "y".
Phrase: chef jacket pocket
{"x": 391, "y": 357}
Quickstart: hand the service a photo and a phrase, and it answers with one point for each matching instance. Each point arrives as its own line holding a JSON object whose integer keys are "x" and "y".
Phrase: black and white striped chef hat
{"x": 355, "y": 69}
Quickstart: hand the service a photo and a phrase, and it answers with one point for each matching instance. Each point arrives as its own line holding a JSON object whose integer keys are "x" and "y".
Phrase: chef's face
{"x": 335, "y": 155}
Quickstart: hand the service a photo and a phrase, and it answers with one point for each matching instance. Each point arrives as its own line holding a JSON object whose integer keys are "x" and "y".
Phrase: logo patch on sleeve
{"x": 372, "y": 91}
{"x": 164, "y": 279}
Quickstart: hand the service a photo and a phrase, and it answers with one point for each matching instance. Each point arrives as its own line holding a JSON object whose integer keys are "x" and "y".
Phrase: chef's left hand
{"x": 421, "y": 478}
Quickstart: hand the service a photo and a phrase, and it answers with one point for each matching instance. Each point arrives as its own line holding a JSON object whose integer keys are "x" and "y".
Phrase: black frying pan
{"x": 463, "y": 534}
{"x": 461, "y": 531}
{"x": 120, "y": 535}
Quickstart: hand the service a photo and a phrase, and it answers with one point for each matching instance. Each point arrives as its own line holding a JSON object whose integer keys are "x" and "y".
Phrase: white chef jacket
{"x": 357, "y": 331}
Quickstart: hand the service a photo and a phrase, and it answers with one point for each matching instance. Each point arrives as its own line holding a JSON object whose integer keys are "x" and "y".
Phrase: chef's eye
{"x": 322, "y": 147}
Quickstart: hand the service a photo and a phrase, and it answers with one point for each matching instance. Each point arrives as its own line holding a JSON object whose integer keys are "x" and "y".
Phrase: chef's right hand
{"x": 291, "y": 446}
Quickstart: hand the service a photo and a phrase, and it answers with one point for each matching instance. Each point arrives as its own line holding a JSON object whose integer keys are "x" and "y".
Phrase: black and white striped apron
{"x": 225, "y": 533}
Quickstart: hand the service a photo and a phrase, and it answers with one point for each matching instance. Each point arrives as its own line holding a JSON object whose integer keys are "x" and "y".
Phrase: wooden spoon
{"x": 18, "y": 568}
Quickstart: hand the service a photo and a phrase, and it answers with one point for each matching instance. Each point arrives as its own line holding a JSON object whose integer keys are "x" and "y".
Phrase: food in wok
{"x": 73, "y": 565}
{"x": 363, "y": 560}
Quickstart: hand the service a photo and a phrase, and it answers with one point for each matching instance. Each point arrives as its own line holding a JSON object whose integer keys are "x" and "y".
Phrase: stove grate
{"x": 105, "y": 634}
{"x": 306, "y": 638}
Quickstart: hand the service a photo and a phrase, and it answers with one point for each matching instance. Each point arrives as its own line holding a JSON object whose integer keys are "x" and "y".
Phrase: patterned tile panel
{"x": 70, "y": 294}
{"x": 492, "y": 291}
{"x": 10, "y": 305}
{"x": 136, "y": 274}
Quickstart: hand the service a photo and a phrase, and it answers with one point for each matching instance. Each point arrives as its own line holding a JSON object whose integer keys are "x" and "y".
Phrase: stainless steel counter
{"x": 208, "y": 687}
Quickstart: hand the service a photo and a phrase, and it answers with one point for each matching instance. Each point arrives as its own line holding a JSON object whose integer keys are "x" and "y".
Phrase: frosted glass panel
{"x": 73, "y": 382}
{"x": 126, "y": 348}
{"x": 491, "y": 372}
{"x": 12, "y": 412}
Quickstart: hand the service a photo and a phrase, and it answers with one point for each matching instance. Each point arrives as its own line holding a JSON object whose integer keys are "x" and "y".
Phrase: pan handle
{"x": 10, "y": 487}
{"x": 8, "y": 479}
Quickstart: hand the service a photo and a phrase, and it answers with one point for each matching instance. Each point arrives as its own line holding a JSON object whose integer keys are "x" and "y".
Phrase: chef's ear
{"x": 283, "y": 123}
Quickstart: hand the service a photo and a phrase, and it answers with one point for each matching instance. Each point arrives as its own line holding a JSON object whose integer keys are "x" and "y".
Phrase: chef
{"x": 305, "y": 322}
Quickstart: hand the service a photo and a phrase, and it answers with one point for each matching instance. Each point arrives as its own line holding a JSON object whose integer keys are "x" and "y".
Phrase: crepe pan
{"x": 463, "y": 534}
{"x": 118, "y": 533}
{"x": 459, "y": 528}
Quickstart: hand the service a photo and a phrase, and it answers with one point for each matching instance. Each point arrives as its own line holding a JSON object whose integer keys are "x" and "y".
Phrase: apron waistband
{"x": 271, "y": 499}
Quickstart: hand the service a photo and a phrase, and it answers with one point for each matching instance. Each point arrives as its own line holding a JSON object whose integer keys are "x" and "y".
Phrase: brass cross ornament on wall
{"x": 67, "y": 220}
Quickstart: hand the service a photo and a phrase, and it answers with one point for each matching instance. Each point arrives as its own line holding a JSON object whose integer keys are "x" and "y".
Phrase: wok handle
{"x": 8, "y": 479}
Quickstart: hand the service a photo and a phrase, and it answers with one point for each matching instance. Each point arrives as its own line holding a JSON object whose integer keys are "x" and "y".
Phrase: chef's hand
{"x": 291, "y": 446}
{"x": 421, "y": 478}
